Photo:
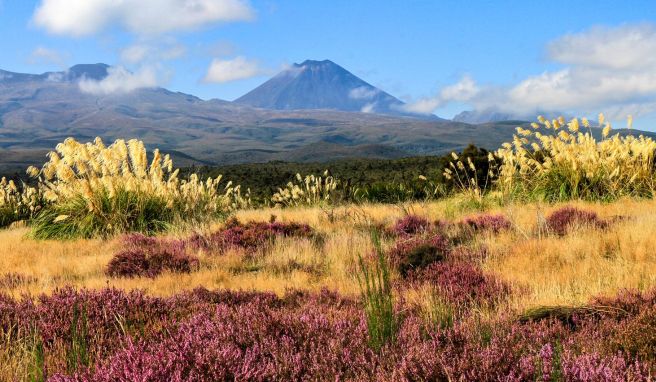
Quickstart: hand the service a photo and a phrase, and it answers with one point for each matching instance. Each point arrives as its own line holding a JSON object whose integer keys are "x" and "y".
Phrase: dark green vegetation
{"x": 376, "y": 287}
{"x": 375, "y": 180}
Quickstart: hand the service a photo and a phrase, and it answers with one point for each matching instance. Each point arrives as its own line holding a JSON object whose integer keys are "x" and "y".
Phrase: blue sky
{"x": 440, "y": 56}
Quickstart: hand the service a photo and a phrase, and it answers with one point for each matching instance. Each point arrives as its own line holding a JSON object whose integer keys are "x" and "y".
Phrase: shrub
{"x": 150, "y": 257}
{"x": 411, "y": 225}
{"x": 637, "y": 337}
{"x": 18, "y": 202}
{"x": 251, "y": 237}
{"x": 461, "y": 283}
{"x": 487, "y": 222}
{"x": 418, "y": 252}
{"x": 94, "y": 190}
{"x": 227, "y": 335}
{"x": 383, "y": 192}
{"x": 565, "y": 163}
{"x": 563, "y": 219}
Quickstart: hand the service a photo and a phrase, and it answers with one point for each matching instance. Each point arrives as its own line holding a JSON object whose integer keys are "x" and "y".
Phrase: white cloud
{"x": 55, "y": 77}
{"x": 141, "y": 52}
{"x": 607, "y": 69}
{"x": 424, "y": 105}
{"x": 625, "y": 47}
{"x": 463, "y": 90}
{"x": 603, "y": 69}
{"x": 368, "y": 108}
{"x": 43, "y": 55}
{"x": 238, "y": 68}
{"x": 363, "y": 92}
{"x": 144, "y": 17}
{"x": 119, "y": 81}
{"x": 221, "y": 48}
{"x": 173, "y": 52}
{"x": 135, "y": 53}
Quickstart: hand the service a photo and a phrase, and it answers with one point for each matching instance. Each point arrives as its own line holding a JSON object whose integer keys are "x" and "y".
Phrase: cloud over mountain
{"x": 120, "y": 81}
{"x": 464, "y": 90}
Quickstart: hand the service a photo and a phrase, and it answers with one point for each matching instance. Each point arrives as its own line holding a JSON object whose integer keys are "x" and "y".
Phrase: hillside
{"x": 39, "y": 111}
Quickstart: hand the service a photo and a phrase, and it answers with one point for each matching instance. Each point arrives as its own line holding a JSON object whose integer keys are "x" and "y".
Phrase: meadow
{"x": 541, "y": 267}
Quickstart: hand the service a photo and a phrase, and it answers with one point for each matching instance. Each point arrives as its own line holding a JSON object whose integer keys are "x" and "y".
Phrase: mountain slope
{"x": 37, "y": 111}
{"x": 321, "y": 85}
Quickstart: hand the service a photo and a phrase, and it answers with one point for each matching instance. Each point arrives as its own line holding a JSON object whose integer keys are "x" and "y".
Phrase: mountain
{"x": 322, "y": 85}
{"x": 37, "y": 111}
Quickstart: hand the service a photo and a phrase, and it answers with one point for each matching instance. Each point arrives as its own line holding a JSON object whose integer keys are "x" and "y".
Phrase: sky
{"x": 442, "y": 57}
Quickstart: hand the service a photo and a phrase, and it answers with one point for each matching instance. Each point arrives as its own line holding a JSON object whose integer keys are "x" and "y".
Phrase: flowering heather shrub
{"x": 418, "y": 252}
{"x": 637, "y": 334}
{"x": 147, "y": 256}
{"x": 411, "y": 225}
{"x": 249, "y": 343}
{"x": 462, "y": 283}
{"x": 221, "y": 335}
{"x": 250, "y": 237}
{"x": 487, "y": 222}
{"x": 561, "y": 220}
{"x": 467, "y": 254}
{"x": 595, "y": 367}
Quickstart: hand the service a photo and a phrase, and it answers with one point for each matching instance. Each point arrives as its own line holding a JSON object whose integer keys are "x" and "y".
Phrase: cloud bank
{"x": 610, "y": 69}
{"x": 144, "y": 17}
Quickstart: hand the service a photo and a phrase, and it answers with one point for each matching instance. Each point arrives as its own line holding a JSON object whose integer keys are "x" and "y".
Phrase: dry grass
{"x": 546, "y": 270}
{"x": 587, "y": 262}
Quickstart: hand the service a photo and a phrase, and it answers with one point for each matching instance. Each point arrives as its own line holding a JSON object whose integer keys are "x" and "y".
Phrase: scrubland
{"x": 541, "y": 267}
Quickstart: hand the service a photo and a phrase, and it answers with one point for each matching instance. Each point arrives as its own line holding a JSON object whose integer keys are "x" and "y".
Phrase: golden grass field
{"x": 544, "y": 269}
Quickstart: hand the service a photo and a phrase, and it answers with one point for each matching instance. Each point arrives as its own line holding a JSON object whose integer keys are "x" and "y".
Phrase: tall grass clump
{"x": 376, "y": 286}
{"x": 77, "y": 356}
{"x": 97, "y": 190}
{"x": 557, "y": 161}
{"x": 470, "y": 178}
{"x": 310, "y": 190}
{"x": 17, "y": 202}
